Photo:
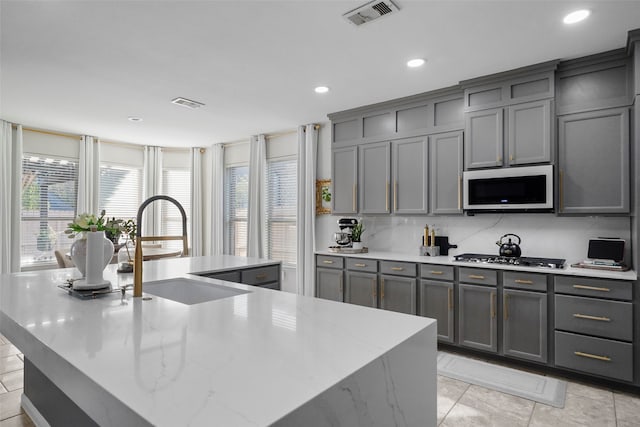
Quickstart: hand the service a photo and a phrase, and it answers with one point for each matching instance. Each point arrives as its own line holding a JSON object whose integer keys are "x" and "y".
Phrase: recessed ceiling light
{"x": 576, "y": 16}
{"x": 321, "y": 89}
{"x": 418, "y": 62}
{"x": 134, "y": 119}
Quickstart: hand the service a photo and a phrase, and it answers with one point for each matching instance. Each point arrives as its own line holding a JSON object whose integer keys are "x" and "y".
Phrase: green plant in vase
{"x": 356, "y": 235}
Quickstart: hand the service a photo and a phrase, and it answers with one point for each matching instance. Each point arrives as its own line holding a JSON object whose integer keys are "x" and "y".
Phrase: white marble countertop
{"x": 448, "y": 260}
{"x": 242, "y": 361}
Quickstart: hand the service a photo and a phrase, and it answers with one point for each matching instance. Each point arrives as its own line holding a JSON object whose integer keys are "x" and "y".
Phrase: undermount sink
{"x": 188, "y": 291}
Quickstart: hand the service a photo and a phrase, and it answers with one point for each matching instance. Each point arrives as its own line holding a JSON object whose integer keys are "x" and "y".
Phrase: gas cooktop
{"x": 521, "y": 261}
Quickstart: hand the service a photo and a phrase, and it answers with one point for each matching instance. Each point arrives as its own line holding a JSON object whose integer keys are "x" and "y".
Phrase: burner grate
{"x": 521, "y": 261}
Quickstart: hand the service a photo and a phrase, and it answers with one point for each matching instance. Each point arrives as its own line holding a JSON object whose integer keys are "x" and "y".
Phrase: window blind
{"x": 236, "y": 202}
{"x": 281, "y": 200}
{"x": 49, "y": 197}
{"x": 120, "y": 190}
{"x": 176, "y": 183}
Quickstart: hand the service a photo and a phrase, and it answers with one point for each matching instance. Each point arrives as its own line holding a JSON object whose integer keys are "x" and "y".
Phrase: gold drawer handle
{"x": 326, "y": 261}
{"x": 591, "y": 288}
{"x": 476, "y": 276}
{"x": 524, "y": 282}
{"x": 261, "y": 276}
{"x": 586, "y": 316}
{"x": 359, "y": 265}
{"x": 397, "y": 268}
{"x": 437, "y": 272}
{"x": 592, "y": 356}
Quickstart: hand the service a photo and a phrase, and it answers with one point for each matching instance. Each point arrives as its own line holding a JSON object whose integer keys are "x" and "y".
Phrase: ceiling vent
{"x": 370, "y": 11}
{"x": 187, "y": 103}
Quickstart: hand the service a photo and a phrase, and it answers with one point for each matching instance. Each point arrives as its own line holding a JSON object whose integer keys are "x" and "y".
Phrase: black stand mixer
{"x": 343, "y": 237}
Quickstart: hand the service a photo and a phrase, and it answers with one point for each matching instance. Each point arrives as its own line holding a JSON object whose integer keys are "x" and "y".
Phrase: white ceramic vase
{"x": 79, "y": 253}
{"x": 357, "y": 245}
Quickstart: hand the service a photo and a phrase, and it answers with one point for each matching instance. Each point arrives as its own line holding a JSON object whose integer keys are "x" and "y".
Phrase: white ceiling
{"x": 84, "y": 67}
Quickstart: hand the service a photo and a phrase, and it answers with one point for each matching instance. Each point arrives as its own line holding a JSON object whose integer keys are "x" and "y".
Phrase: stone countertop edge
{"x": 448, "y": 260}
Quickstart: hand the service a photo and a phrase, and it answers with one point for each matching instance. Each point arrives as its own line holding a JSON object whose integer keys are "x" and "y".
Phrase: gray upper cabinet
{"x": 410, "y": 176}
{"x": 344, "y": 173}
{"x": 329, "y": 284}
{"x": 529, "y": 132}
{"x": 593, "y": 160}
{"x": 361, "y": 289}
{"x": 477, "y": 319}
{"x": 484, "y": 139}
{"x": 446, "y": 173}
{"x": 525, "y": 325}
{"x": 374, "y": 170}
{"x": 398, "y": 294}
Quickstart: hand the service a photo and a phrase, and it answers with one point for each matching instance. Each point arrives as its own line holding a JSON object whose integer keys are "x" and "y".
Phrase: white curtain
{"x": 256, "y": 228}
{"x": 152, "y": 187}
{"x": 213, "y": 185}
{"x": 89, "y": 176}
{"x": 10, "y": 196}
{"x": 197, "y": 196}
{"x": 307, "y": 152}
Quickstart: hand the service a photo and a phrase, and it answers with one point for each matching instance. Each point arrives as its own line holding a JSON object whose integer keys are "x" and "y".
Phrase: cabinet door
{"x": 477, "y": 321}
{"x": 594, "y": 162}
{"x": 329, "y": 284}
{"x": 410, "y": 176}
{"x": 344, "y": 173}
{"x": 530, "y": 133}
{"x": 374, "y": 175}
{"x": 446, "y": 173}
{"x": 398, "y": 294}
{"x": 436, "y": 301}
{"x": 525, "y": 324}
{"x": 362, "y": 289}
{"x": 484, "y": 136}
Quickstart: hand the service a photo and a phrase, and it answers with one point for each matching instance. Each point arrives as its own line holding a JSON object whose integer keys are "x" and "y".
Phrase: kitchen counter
{"x": 257, "y": 359}
{"x": 448, "y": 260}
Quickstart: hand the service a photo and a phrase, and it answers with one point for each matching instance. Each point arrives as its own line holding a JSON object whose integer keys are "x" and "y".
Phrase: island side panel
{"x": 398, "y": 388}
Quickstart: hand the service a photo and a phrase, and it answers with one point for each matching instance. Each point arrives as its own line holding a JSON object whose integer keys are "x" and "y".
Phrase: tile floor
{"x": 459, "y": 404}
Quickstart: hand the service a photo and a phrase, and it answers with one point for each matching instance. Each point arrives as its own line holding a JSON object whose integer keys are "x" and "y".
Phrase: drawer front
{"x": 588, "y": 287}
{"x": 260, "y": 276}
{"x": 437, "y": 272}
{"x": 478, "y": 276}
{"x": 360, "y": 264}
{"x": 527, "y": 281}
{"x": 398, "y": 268}
{"x": 229, "y": 276}
{"x": 607, "y": 319}
{"x": 329, "y": 261}
{"x": 613, "y": 359}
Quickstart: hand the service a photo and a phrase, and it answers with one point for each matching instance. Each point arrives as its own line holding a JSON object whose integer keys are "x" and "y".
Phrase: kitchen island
{"x": 262, "y": 358}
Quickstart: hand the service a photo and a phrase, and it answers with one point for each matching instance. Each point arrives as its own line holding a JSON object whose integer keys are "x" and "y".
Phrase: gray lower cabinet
{"x": 344, "y": 174}
{"x": 477, "y": 320}
{"x": 436, "y": 302}
{"x": 593, "y": 156}
{"x": 329, "y": 284}
{"x": 398, "y": 294}
{"x": 374, "y": 177}
{"x": 524, "y": 327}
{"x": 446, "y": 173}
{"x": 361, "y": 289}
{"x": 410, "y": 176}
{"x": 484, "y": 138}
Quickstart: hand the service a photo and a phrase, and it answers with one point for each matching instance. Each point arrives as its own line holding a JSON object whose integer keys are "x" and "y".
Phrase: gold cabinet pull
{"x": 261, "y": 276}
{"x": 450, "y": 298}
{"x": 591, "y": 288}
{"x": 499, "y": 160}
{"x": 586, "y": 316}
{"x": 340, "y": 285}
{"x": 326, "y": 261}
{"x": 506, "y": 306}
{"x": 511, "y": 157}
{"x": 373, "y": 286}
{"x": 386, "y": 197}
{"x": 359, "y": 265}
{"x": 476, "y": 276}
{"x": 395, "y": 196}
{"x": 437, "y": 272}
{"x": 592, "y": 356}
{"x": 397, "y": 268}
{"x": 524, "y": 282}
{"x": 381, "y": 288}
{"x": 493, "y": 305}
{"x": 355, "y": 189}
{"x": 459, "y": 192}
{"x": 561, "y": 190}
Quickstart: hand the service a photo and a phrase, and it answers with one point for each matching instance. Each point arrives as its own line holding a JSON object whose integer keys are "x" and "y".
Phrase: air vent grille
{"x": 370, "y": 11}
{"x": 187, "y": 103}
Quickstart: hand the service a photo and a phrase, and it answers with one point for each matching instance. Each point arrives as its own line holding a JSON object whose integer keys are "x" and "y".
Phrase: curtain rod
{"x": 266, "y": 136}
{"x": 48, "y": 132}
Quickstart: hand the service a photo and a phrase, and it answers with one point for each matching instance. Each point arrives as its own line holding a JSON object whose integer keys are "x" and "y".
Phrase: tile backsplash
{"x": 543, "y": 235}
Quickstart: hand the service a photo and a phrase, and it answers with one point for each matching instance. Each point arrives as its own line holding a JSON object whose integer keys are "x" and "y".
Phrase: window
{"x": 281, "y": 210}
{"x": 49, "y": 197}
{"x": 236, "y": 202}
{"x": 176, "y": 183}
{"x": 120, "y": 190}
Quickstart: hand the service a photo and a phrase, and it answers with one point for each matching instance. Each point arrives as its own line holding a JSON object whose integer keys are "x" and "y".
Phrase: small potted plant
{"x": 356, "y": 235}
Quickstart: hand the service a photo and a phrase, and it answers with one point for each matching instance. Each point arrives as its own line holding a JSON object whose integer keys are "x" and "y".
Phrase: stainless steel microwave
{"x": 516, "y": 189}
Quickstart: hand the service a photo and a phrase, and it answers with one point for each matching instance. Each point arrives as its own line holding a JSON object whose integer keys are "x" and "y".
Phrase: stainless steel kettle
{"x": 509, "y": 249}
